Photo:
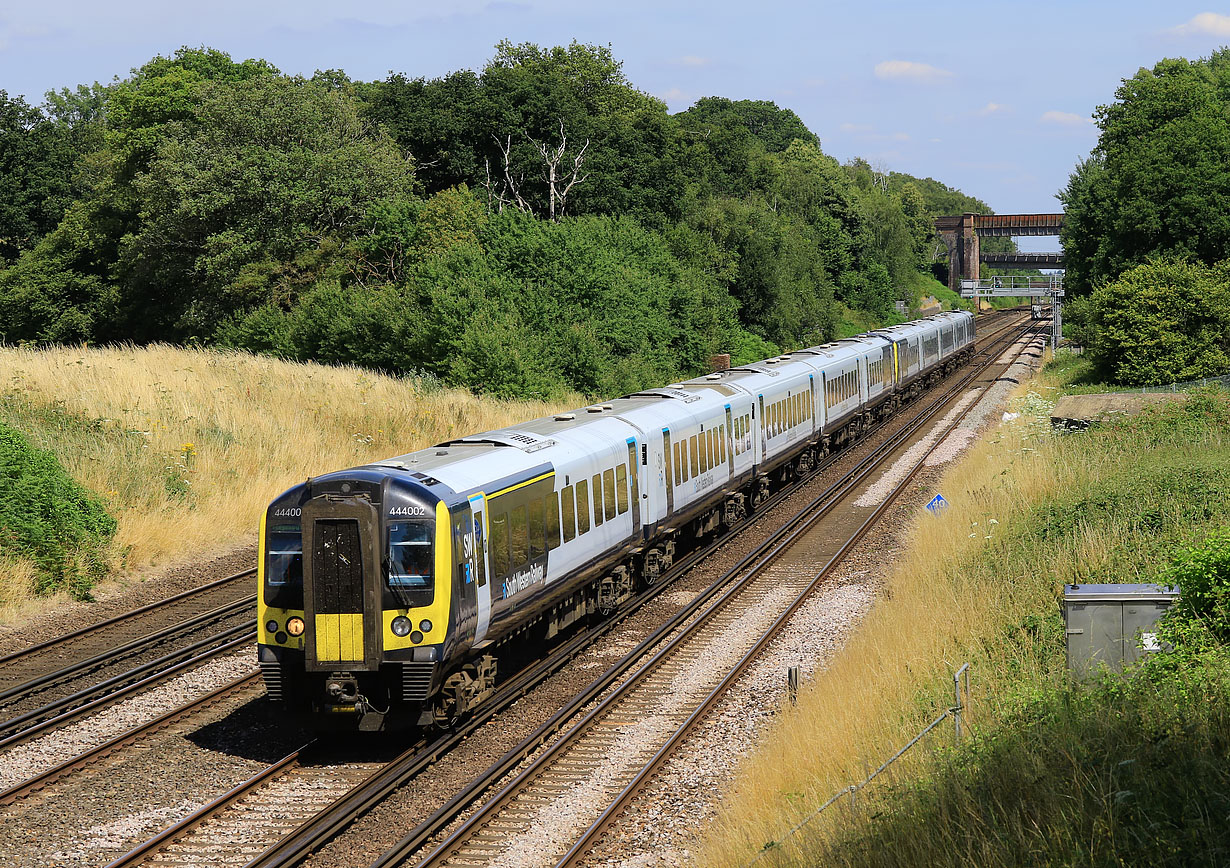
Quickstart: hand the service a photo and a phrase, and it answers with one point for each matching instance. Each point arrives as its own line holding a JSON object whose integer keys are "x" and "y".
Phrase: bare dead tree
{"x": 560, "y": 184}
{"x": 510, "y": 192}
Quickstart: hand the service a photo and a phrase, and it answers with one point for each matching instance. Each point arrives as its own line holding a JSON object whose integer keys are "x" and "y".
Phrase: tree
{"x": 37, "y": 156}
{"x": 1157, "y": 182}
{"x": 1162, "y": 322}
{"x": 250, "y": 200}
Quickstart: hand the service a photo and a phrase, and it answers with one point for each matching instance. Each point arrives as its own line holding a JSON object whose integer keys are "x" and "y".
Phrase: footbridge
{"x": 961, "y": 234}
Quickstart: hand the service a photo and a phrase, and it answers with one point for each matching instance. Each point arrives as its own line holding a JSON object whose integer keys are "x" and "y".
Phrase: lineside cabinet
{"x": 1112, "y": 625}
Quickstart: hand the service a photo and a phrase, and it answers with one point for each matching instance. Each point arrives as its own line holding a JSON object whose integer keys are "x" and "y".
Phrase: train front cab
{"x": 355, "y": 634}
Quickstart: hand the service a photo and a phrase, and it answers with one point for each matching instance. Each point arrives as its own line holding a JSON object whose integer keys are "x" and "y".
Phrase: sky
{"x": 994, "y": 98}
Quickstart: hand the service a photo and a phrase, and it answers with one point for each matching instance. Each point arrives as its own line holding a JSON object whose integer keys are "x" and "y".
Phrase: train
{"x": 391, "y": 594}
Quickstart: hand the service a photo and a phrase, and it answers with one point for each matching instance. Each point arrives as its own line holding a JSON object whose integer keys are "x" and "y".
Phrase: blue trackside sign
{"x": 937, "y": 505}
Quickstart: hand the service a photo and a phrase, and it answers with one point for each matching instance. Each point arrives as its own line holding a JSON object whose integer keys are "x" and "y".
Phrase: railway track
{"x": 264, "y": 794}
{"x": 539, "y": 813}
{"x": 37, "y": 685}
{"x": 248, "y": 684}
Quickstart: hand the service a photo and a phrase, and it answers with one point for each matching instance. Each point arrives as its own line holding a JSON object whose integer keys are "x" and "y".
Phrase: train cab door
{"x": 478, "y": 506}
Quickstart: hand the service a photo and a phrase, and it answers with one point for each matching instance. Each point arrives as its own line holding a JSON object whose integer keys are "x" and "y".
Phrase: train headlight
{"x": 425, "y": 625}
{"x": 295, "y": 626}
{"x": 416, "y": 637}
{"x": 271, "y": 626}
{"x": 401, "y": 626}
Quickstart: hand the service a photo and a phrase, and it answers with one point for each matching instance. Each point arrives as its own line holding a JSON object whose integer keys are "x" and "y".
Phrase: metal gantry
{"x": 1049, "y": 286}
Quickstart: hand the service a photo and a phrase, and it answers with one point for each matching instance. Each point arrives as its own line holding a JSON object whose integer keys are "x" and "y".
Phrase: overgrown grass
{"x": 1058, "y": 774}
{"x": 186, "y": 446}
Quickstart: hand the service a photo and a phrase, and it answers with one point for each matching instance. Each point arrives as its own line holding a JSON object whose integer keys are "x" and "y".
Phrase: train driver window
{"x": 285, "y": 564}
{"x": 568, "y": 511}
{"x": 621, "y": 487}
{"x": 552, "y": 521}
{"x": 410, "y": 562}
{"x": 582, "y": 506}
{"x": 596, "y": 482}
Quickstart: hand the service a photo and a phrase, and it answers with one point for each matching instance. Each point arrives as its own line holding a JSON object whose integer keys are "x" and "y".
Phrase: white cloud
{"x": 990, "y": 109}
{"x": 855, "y": 128}
{"x": 911, "y": 71}
{"x": 1065, "y": 119}
{"x": 1206, "y": 23}
{"x": 693, "y": 60}
{"x": 676, "y": 97}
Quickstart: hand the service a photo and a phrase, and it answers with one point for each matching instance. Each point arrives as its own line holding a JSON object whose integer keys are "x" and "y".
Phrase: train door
{"x": 634, "y": 476}
{"x": 478, "y": 539}
{"x": 813, "y": 424}
{"x": 730, "y": 442}
{"x": 670, "y": 481}
{"x": 764, "y": 436}
{"x": 466, "y": 580}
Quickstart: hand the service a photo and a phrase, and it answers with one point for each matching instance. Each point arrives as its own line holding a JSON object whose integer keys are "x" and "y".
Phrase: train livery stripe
{"x": 548, "y": 475}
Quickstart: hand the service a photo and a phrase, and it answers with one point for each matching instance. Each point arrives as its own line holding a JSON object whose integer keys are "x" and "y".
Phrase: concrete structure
{"x": 1080, "y": 411}
{"x": 961, "y": 234}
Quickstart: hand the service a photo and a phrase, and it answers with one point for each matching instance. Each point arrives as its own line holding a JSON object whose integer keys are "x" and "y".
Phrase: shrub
{"x": 50, "y": 519}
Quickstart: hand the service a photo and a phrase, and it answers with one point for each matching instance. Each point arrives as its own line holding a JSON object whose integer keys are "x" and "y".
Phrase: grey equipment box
{"x": 1112, "y": 625}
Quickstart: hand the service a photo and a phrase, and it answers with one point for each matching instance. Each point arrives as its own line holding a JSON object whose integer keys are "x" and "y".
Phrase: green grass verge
{"x": 1126, "y": 770}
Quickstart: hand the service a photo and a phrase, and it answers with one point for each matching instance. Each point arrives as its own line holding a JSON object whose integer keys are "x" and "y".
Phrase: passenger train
{"x": 390, "y": 593}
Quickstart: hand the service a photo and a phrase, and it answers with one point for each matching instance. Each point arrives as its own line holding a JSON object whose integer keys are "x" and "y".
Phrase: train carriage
{"x": 392, "y": 592}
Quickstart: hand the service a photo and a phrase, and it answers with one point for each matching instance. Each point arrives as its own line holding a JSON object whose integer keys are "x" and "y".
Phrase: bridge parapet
{"x": 961, "y": 234}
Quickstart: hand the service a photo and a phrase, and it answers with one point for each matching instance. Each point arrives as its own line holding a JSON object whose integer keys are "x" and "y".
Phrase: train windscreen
{"x": 410, "y": 576}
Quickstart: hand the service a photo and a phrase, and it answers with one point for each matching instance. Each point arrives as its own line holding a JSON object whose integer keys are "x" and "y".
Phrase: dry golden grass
{"x": 889, "y": 680}
{"x": 186, "y": 446}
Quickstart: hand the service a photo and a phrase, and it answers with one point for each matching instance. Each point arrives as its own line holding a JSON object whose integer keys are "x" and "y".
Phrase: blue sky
{"x": 994, "y": 97}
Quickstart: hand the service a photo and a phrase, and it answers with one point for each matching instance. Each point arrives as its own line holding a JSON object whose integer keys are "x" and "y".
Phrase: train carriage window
{"x": 678, "y": 465}
{"x": 709, "y": 451}
{"x": 608, "y": 493}
{"x": 693, "y": 456}
{"x": 582, "y": 506}
{"x": 794, "y": 411}
{"x": 596, "y": 482}
{"x": 552, "y": 521}
{"x": 519, "y": 536}
{"x": 683, "y": 463}
{"x": 722, "y": 441}
{"x": 538, "y": 529}
{"x": 621, "y": 487}
{"x": 568, "y": 511}
{"x": 706, "y": 441}
{"x": 499, "y": 544}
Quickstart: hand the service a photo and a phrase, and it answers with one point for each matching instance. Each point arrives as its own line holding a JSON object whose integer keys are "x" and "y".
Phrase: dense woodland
{"x": 537, "y": 226}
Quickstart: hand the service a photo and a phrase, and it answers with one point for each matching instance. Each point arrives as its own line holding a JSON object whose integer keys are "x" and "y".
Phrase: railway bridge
{"x": 961, "y": 234}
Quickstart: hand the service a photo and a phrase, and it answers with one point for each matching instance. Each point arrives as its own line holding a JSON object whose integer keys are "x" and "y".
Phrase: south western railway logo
{"x": 522, "y": 579}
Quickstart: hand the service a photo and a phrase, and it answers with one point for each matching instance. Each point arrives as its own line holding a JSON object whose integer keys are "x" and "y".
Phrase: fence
{"x": 961, "y": 700}
{"x": 1223, "y": 382}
